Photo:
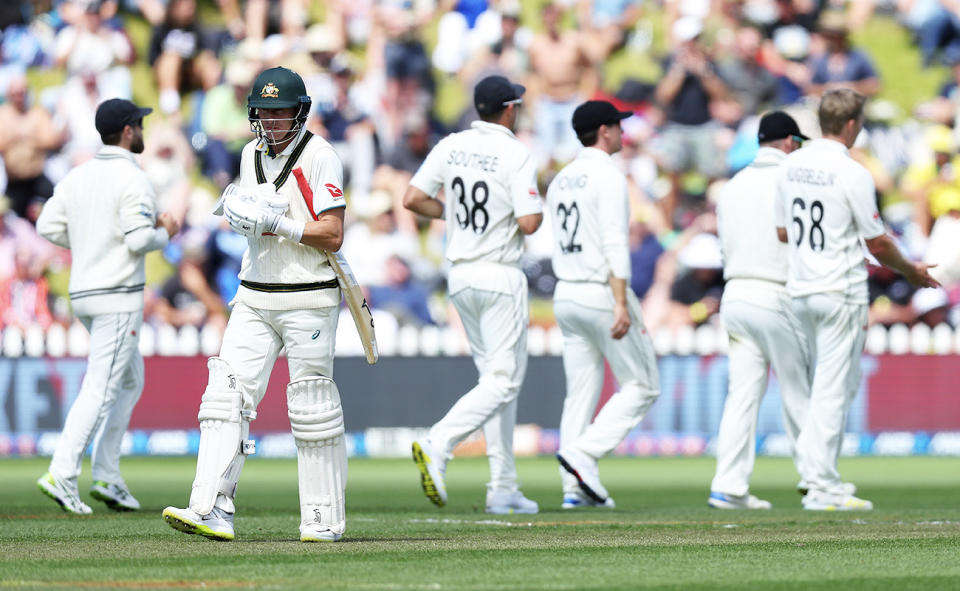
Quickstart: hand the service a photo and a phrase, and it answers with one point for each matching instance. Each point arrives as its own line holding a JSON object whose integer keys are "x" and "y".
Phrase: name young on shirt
{"x": 808, "y": 176}
{"x": 484, "y": 162}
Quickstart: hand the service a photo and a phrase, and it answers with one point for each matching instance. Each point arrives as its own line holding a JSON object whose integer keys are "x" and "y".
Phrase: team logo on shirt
{"x": 334, "y": 190}
{"x": 270, "y": 91}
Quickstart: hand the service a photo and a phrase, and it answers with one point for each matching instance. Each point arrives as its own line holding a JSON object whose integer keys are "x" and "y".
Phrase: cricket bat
{"x": 357, "y": 304}
{"x": 352, "y": 292}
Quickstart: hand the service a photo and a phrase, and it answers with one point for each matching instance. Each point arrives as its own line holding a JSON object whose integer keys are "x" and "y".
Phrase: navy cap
{"x": 493, "y": 93}
{"x": 114, "y": 113}
{"x": 777, "y": 125}
{"x": 592, "y": 114}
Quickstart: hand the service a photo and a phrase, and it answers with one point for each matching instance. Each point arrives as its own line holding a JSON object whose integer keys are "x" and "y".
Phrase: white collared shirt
{"x": 590, "y": 213}
{"x": 489, "y": 179}
{"x": 827, "y": 203}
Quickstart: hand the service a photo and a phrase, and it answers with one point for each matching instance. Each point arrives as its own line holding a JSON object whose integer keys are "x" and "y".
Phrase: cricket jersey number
{"x": 817, "y": 238}
{"x": 474, "y": 215}
{"x": 569, "y": 225}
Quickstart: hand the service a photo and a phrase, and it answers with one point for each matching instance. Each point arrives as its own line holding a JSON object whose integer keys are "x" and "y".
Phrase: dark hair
{"x": 589, "y": 138}
{"x": 112, "y": 139}
{"x": 492, "y": 117}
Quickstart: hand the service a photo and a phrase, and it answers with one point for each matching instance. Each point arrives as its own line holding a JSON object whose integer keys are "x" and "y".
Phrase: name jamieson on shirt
{"x": 484, "y": 162}
{"x": 810, "y": 177}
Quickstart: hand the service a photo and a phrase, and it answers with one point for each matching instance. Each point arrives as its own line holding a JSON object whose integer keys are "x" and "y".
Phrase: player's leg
{"x": 316, "y": 420}
{"x": 789, "y": 352}
{"x": 736, "y": 438}
{"x": 634, "y": 364}
{"x": 583, "y": 369}
{"x": 236, "y": 384}
{"x": 108, "y": 484}
{"x": 111, "y": 346}
{"x": 503, "y": 490}
{"x": 839, "y": 337}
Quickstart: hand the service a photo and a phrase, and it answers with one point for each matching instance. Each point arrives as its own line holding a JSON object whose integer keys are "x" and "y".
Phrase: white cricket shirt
{"x": 489, "y": 179}
{"x": 590, "y": 218}
{"x": 827, "y": 203}
{"x": 747, "y": 222}
{"x": 92, "y": 209}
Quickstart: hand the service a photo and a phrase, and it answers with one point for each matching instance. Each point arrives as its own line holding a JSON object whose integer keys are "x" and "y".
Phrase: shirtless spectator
{"x": 605, "y": 25}
{"x": 562, "y": 77}
{"x": 688, "y": 140}
{"x": 27, "y": 133}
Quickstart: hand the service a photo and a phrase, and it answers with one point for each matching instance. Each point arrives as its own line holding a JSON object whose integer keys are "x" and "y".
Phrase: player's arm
{"x": 527, "y": 205}
{"x": 420, "y": 203}
{"x": 885, "y": 250}
{"x": 419, "y": 197}
{"x": 143, "y": 230}
{"x": 613, "y": 215}
{"x": 326, "y": 232}
{"x": 782, "y": 234}
{"x": 326, "y": 203}
{"x": 52, "y": 223}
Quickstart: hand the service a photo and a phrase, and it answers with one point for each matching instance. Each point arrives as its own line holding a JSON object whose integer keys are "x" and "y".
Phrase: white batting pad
{"x": 316, "y": 419}
{"x": 224, "y": 427}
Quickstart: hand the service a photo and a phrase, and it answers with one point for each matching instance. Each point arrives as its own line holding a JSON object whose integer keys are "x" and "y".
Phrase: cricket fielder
{"x": 105, "y": 212}
{"x": 758, "y": 314}
{"x": 826, "y": 204}
{"x": 598, "y": 314}
{"x": 490, "y": 188}
{"x": 288, "y": 297}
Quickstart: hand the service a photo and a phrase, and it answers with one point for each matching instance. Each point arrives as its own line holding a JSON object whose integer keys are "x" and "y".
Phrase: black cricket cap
{"x": 592, "y": 114}
{"x": 114, "y": 113}
{"x": 777, "y": 125}
{"x": 493, "y": 92}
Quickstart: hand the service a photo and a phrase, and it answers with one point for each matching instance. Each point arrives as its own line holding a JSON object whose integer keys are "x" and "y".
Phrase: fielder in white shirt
{"x": 489, "y": 180}
{"x": 290, "y": 206}
{"x": 105, "y": 212}
{"x": 826, "y": 207}
{"x": 758, "y": 315}
{"x": 598, "y": 313}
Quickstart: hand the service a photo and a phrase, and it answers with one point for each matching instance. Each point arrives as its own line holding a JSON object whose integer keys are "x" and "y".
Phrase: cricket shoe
{"x": 818, "y": 500}
{"x": 584, "y": 469}
{"x": 579, "y": 500}
{"x": 68, "y": 498}
{"x": 846, "y": 488}
{"x": 431, "y": 472}
{"x": 314, "y": 532}
{"x": 216, "y": 525}
{"x": 506, "y": 503}
{"x": 116, "y": 496}
{"x": 719, "y": 500}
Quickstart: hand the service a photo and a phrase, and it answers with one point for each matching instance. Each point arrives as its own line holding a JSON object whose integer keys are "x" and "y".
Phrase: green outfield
{"x": 660, "y": 536}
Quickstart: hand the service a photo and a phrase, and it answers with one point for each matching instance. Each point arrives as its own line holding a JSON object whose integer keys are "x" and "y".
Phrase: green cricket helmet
{"x": 277, "y": 88}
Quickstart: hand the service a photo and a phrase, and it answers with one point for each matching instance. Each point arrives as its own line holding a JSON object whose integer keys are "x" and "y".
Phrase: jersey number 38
{"x": 474, "y": 214}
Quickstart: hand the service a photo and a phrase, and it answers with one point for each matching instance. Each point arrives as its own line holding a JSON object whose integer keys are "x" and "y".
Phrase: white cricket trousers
{"x": 109, "y": 391}
{"x": 254, "y": 337}
{"x": 764, "y": 332}
{"x": 586, "y": 343}
{"x": 836, "y": 330}
{"x": 496, "y": 327}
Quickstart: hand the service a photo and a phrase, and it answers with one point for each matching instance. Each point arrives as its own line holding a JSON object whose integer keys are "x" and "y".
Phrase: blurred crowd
{"x": 382, "y": 75}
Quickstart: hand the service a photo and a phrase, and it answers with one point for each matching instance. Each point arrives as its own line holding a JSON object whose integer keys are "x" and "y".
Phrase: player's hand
{"x": 168, "y": 223}
{"x": 244, "y": 217}
{"x": 919, "y": 276}
{"x": 621, "y": 321}
{"x": 269, "y": 200}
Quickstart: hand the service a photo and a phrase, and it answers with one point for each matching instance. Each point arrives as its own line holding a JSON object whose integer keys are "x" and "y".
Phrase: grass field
{"x": 661, "y": 536}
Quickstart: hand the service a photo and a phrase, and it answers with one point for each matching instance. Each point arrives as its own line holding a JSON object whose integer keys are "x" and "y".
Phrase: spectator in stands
{"x": 695, "y": 294}
{"x": 605, "y": 25}
{"x": 27, "y": 134}
{"x": 466, "y": 27}
{"x": 933, "y": 184}
{"x": 943, "y": 248}
{"x": 167, "y": 159}
{"x": 224, "y": 255}
{"x": 369, "y": 243}
{"x": 937, "y": 28}
{"x": 645, "y": 251}
{"x": 562, "y": 77}
{"x": 347, "y": 126}
{"x": 266, "y": 17}
{"x": 752, "y": 86}
{"x": 24, "y": 295}
{"x": 76, "y": 109}
{"x": 931, "y": 306}
{"x": 889, "y": 294}
{"x": 18, "y": 234}
{"x": 401, "y": 294}
{"x": 225, "y": 124}
{"x": 841, "y": 65}
{"x": 688, "y": 140}
{"x": 183, "y": 54}
{"x": 187, "y": 297}
{"x": 89, "y": 45}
